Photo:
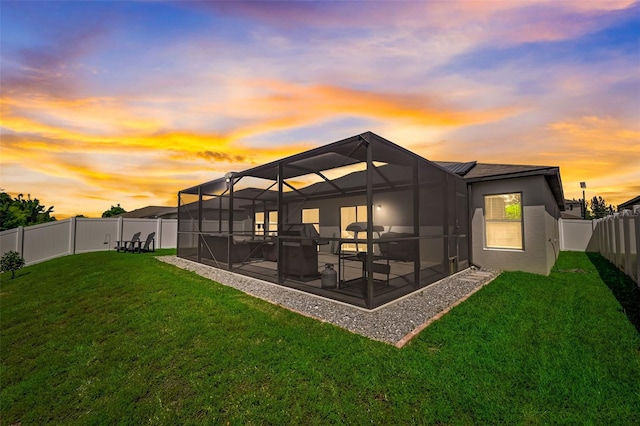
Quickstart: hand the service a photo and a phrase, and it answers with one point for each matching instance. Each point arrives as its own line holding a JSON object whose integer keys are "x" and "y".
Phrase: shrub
{"x": 11, "y": 261}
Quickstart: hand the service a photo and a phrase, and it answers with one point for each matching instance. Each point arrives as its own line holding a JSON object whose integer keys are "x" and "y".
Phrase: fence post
{"x": 20, "y": 241}
{"x": 561, "y": 226}
{"x": 119, "y": 229}
{"x": 612, "y": 240}
{"x": 159, "y": 233}
{"x": 604, "y": 242}
{"x": 637, "y": 226}
{"x": 72, "y": 236}
{"x": 618, "y": 249}
{"x": 626, "y": 227}
{"x": 603, "y": 237}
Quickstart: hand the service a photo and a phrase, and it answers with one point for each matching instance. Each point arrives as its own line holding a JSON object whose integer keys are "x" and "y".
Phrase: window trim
{"x": 485, "y": 220}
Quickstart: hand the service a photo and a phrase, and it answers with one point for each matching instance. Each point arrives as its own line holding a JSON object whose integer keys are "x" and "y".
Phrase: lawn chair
{"x": 127, "y": 245}
{"x": 149, "y": 244}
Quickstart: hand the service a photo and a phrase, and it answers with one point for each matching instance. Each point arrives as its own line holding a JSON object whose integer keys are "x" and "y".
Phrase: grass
{"x": 104, "y": 338}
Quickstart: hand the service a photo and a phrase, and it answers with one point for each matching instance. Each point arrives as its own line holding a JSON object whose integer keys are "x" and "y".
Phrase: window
{"x": 261, "y": 228}
{"x": 312, "y": 216}
{"x": 259, "y": 223}
{"x": 503, "y": 221}
{"x": 273, "y": 223}
{"x": 349, "y": 215}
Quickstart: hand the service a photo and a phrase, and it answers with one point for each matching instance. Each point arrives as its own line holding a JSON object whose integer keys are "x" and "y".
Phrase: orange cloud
{"x": 599, "y": 150}
{"x": 288, "y": 105}
{"x": 142, "y": 167}
{"x": 110, "y": 147}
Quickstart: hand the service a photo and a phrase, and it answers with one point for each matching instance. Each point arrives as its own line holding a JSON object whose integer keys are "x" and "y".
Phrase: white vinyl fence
{"x": 618, "y": 237}
{"x": 80, "y": 235}
{"x": 615, "y": 237}
{"x": 577, "y": 235}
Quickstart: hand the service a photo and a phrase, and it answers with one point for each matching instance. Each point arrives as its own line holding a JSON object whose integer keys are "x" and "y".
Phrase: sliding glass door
{"x": 349, "y": 215}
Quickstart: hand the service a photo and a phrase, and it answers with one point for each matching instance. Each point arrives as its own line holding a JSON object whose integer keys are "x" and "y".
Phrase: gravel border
{"x": 395, "y": 323}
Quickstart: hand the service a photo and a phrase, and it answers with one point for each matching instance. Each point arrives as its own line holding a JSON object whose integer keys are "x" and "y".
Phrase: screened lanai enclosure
{"x": 387, "y": 221}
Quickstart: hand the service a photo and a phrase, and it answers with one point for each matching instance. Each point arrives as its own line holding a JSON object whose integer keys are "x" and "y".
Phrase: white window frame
{"x": 487, "y": 221}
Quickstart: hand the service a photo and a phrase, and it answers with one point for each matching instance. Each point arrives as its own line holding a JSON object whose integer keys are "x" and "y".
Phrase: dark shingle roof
{"x": 483, "y": 172}
{"x": 493, "y": 170}
{"x": 627, "y": 204}
{"x": 460, "y": 169}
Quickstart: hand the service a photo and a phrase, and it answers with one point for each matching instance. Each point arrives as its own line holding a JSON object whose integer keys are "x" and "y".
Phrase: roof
{"x": 342, "y": 153}
{"x": 484, "y": 170}
{"x": 351, "y": 151}
{"x": 481, "y": 172}
{"x": 629, "y": 204}
{"x": 151, "y": 212}
{"x": 460, "y": 169}
{"x": 389, "y": 175}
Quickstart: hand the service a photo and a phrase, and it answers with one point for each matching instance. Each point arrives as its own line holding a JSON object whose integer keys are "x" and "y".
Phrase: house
{"x": 388, "y": 221}
{"x": 527, "y": 241}
{"x": 633, "y": 205}
{"x": 573, "y": 209}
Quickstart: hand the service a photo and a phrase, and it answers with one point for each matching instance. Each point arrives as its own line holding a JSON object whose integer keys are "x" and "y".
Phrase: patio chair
{"x": 149, "y": 244}
{"x": 127, "y": 245}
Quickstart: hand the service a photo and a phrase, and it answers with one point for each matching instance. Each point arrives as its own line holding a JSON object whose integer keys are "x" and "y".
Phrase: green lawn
{"x": 103, "y": 338}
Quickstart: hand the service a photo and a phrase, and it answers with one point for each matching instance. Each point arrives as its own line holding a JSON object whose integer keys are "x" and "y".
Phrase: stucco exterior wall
{"x": 552, "y": 235}
{"x": 540, "y": 225}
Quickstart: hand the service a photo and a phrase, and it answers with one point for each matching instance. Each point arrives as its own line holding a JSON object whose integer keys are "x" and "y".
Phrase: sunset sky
{"x": 129, "y": 102}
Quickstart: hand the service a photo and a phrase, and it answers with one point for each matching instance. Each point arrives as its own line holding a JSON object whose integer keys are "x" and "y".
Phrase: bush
{"x": 11, "y": 261}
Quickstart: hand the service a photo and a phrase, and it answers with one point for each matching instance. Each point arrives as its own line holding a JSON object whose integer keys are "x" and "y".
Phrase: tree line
{"x": 20, "y": 211}
{"x": 599, "y": 209}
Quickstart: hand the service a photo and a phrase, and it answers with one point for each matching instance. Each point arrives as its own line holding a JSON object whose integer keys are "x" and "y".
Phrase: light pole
{"x": 583, "y": 185}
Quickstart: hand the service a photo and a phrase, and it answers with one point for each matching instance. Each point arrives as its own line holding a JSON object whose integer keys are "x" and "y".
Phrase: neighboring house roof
{"x": 479, "y": 172}
{"x": 149, "y": 212}
{"x": 629, "y": 204}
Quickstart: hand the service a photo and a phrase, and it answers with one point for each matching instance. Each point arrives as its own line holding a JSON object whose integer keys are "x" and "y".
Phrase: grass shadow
{"x": 6, "y": 276}
{"x": 622, "y": 286}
